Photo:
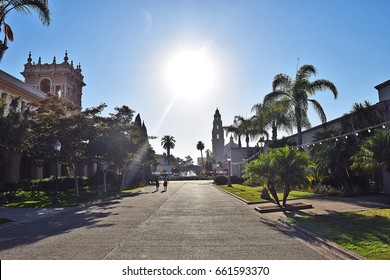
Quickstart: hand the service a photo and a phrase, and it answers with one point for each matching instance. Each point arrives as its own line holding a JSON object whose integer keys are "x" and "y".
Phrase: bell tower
{"x": 218, "y": 140}
{"x": 62, "y": 78}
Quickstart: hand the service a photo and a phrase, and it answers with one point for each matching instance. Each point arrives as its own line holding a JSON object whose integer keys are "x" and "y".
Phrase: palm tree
{"x": 168, "y": 143}
{"x": 274, "y": 117}
{"x": 332, "y": 158}
{"x": 235, "y": 130}
{"x": 200, "y": 147}
{"x": 22, "y": 7}
{"x": 262, "y": 171}
{"x": 295, "y": 94}
{"x": 293, "y": 168}
{"x": 374, "y": 152}
{"x": 362, "y": 115}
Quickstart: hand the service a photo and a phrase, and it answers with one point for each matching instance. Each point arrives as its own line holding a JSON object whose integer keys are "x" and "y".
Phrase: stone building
{"x": 58, "y": 78}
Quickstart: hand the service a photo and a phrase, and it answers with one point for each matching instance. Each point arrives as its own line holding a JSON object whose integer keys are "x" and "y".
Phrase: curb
{"x": 324, "y": 243}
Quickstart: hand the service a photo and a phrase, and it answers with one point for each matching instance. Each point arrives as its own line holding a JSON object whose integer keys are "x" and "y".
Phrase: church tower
{"x": 57, "y": 78}
{"x": 218, "y": 140}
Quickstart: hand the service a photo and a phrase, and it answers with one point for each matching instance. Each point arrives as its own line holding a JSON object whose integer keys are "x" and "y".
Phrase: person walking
{"x": 165, "y": 184}
{"x": 157, "y": 184}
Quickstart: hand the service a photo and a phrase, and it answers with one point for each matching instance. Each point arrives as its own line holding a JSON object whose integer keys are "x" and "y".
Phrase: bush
{"x": 235, "y": 180}
{"x": 221, "y": 180}
{"x": 329, "y": 191}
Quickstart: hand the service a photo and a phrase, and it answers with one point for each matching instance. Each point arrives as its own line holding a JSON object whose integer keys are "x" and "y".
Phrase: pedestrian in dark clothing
{"x": 157, "y": 184}
{"x": 165, "y": 184}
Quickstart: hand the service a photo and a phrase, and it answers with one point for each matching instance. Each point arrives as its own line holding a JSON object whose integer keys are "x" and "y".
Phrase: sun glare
{"x": 190, "y": 74}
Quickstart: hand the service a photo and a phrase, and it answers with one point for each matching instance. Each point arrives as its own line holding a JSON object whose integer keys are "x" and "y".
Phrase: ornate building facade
{"x": 58, "y": 78}
{"x": 62, "y": 79}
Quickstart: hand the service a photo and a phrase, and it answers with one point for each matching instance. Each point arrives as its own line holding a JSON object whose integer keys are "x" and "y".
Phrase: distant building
{"x": 221, "y": 152}
{"x": 218, "y": 139}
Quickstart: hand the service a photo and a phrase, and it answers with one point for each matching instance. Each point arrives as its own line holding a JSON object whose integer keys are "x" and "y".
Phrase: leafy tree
{"x": 56, "y": 118}
{"x": 22, "y": 7}
{"x": 200, "y": 147}
{"x": 46, "y": 125}
{"x": 168, "y": 143}
{"x": 122, "y": 141}
{"x": 295, "y": 94}
{"x": 188, "y": 161}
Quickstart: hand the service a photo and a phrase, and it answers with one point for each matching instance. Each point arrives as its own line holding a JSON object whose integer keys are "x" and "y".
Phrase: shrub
{"x": 235, "y": 180}
{"x": 221, "y": 180}
{"x": 329, "y": 191}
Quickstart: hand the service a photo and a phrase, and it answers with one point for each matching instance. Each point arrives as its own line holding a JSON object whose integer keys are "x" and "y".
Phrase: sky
{"x": 138, "y": 53}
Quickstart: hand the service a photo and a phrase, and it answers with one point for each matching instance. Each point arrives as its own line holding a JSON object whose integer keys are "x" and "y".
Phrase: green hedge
{"x": 46, "y": 185}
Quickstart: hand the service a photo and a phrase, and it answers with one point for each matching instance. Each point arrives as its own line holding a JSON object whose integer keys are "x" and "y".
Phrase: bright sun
{"x": 190, "y": 74}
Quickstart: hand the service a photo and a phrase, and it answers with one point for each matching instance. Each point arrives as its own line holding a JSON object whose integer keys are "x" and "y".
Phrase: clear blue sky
{"x": 124, "y": 48}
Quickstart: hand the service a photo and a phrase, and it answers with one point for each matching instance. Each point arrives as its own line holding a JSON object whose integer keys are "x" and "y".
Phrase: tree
{"x": 22, "y": 7}
{"x": 188, "y": 161}
{"x": 273, "y": 116}
{"x": 282, "y": 167}
{"x": 295, "y": 95}
{"x": 263, "y": 171}
{"x": 200, "y": 147}
{"x": 374, "y": 152}
{"x": 56, "y": 118}
{"x": 13, "y": 125}
{"x": 332, "y": 158}
{"x": 168, "y": 143}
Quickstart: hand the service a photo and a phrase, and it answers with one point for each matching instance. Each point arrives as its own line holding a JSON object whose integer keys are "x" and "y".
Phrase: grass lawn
{"x": 366, "y": 233}
{"x": 252, "y": 194}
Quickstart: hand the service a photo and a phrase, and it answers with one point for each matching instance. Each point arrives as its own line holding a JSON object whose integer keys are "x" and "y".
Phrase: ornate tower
{"x": 58, "y": 78}
{"x": 218, "y": 140}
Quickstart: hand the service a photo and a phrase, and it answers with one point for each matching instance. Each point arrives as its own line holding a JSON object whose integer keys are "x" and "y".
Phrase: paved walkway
{"x": 191, "y": 221}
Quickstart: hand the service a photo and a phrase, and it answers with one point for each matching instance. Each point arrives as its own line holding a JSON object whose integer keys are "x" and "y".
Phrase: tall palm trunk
{"x": 299, "y": 125}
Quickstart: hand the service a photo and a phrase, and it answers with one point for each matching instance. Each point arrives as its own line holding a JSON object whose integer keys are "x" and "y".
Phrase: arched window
{"x": 217, "y": 136}
{"x": 45, "y": 85}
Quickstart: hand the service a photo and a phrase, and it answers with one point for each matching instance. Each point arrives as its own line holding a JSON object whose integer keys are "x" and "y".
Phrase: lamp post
{"x": 57, "y": 148}
{"x": 229, "y": 167}
{"x": 261, "y": 143}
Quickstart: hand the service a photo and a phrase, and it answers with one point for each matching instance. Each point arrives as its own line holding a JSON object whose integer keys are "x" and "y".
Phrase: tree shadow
{"x": 57, "y": 224}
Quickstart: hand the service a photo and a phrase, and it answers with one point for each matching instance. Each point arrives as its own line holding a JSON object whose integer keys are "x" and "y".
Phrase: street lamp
{"x": 229, "y": 167}
{"x": 57, "y": 148}
{"x": 261, "y": 142}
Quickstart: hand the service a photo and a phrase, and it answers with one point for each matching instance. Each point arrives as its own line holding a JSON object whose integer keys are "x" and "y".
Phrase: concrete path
{"x": 192, "y": 220}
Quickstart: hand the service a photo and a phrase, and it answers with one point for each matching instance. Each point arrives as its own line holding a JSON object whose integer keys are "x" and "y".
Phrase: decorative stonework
{"x": 58, "y": 78}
